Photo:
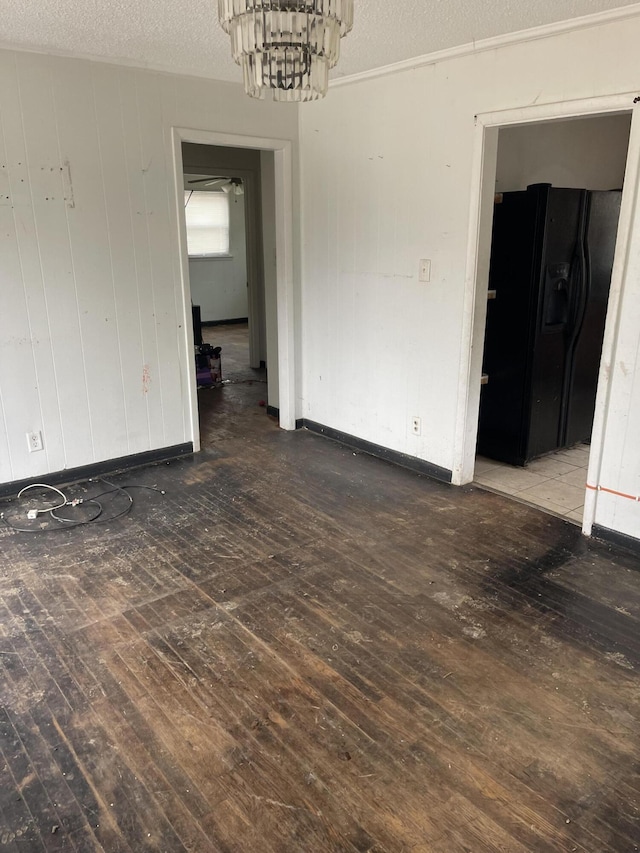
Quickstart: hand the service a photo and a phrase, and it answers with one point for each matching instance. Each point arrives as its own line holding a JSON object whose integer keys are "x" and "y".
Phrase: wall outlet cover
{"x": 34, "y": 441}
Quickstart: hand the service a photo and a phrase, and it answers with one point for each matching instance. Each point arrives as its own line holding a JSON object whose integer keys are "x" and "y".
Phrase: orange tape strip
{"x": 613, "y": 492}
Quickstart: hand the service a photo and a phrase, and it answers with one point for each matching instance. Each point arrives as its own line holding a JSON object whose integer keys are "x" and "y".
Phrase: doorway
{"x": 486, "y": 169}
{"x": 263, "y": 167}
{"x": 226, "y": 247}
{"x": 217, "y": 246}
{"x": 557, "y": 204}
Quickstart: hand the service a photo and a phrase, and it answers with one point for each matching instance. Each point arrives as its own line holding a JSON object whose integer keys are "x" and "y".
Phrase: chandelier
{"x": 287, "y": 46}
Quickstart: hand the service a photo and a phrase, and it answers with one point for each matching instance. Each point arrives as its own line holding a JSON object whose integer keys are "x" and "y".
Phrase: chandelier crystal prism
{"x": 287, "y": 46}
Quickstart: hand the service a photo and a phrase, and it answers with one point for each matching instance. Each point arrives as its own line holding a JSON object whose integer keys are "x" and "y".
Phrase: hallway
{"x": 233, "y": 408}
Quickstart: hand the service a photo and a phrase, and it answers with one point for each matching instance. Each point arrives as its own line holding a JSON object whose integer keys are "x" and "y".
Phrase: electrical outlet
{"x": 34, "y": 441}
{"x": 416, "y": 426}
{"x": 425, "y": 270}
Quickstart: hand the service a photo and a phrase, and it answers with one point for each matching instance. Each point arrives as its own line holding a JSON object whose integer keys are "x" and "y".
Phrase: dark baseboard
{"x": 402, "y": 459}
{"x": 275, "y": 413}
{"x": 622, "y": 540}
{"x": 224, "y": 322}
{"x": 380, "y": 452}
{"x": 110, "y": 466}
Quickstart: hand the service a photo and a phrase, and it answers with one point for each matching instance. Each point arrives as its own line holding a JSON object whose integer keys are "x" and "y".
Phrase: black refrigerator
{"x": 551, "y": 259}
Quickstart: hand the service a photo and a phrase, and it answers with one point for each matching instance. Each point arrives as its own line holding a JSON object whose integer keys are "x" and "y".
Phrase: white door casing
{"x": 477, "y": 275}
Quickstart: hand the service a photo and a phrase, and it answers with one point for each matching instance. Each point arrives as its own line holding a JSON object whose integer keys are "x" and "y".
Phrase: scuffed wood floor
{"x": 304, "y": 649}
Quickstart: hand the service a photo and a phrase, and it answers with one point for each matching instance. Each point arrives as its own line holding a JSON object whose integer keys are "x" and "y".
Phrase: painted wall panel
{"x": 386, "y": 180}
{"x": 92, "y": 329}
{"x": 144, "y": 373}
{"x": 583, "y": 153}
{"x": 131, "y": 429}
{"x": 163, "y": 374}
{"x": 218, "y": 288}
{"x": 91, "y": 260}
{"x": 14, "y": 336}
{"x": 48, "y": 274}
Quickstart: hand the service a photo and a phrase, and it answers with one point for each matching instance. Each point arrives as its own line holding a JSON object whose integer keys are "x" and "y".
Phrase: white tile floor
{"x": 555, "y": 483}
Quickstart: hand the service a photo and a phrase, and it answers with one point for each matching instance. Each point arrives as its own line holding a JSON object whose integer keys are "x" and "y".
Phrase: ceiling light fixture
{"x": 233, "y": 186}
{"x": 287, "y": 46}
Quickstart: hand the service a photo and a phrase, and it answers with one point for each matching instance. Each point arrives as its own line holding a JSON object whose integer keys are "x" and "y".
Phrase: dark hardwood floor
{"x": 299, "y": 648}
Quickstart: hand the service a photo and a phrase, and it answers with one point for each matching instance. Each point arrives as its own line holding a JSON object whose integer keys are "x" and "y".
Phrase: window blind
{"x": 207, "y": 215}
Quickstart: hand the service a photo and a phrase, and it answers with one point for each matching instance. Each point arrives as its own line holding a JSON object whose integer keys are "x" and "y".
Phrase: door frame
{"x": 484, "y": 164}
{"x": 282, "y": 151}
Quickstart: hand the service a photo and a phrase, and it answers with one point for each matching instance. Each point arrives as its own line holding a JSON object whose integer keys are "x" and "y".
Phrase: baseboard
{"x": 225, "y": 322}
{"x": 402, "y": 459}
{"x": 97, "y": 469}
{"x": 613, "y": 537}
{"x": 420, "y": 466}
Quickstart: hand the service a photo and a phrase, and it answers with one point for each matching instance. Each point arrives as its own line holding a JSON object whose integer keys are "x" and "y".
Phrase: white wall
{"x": 582, "y": 153}
{"x": 386, "y": 180}
{"x": 219, "y": 285}
{"x": 92, "y": 326}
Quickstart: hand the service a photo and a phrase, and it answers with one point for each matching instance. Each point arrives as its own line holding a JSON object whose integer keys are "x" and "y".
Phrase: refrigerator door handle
{"x": 583, "y": 285}
{"x": 582, "y": 295}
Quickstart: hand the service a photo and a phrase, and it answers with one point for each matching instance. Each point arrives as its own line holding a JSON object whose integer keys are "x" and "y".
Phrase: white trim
{"x": 284, "y": 255}
{"x": 476, "y": 278}
{"x": 188, "y": 367}
{"x": 492, "y": 43}
{"x": 629, "y": 213}
{"x": 285, "y": 295}
{"x": 474, "y": 311}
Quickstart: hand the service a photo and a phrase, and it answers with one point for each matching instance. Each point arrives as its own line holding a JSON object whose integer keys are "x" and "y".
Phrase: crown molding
{"x": 508, "y": 40}
{"x": 117, "y": 61}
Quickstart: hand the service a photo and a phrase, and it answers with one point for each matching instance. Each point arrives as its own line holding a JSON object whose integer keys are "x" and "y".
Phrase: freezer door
{"x": 560, "y": 282}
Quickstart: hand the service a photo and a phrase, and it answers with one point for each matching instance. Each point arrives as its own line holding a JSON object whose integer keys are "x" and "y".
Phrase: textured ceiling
{"x": 184, "y": 36}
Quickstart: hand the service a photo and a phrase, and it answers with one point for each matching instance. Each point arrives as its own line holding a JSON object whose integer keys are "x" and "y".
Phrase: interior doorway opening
{"x": 232, "y": 282}
{"x": 558, "y": 192}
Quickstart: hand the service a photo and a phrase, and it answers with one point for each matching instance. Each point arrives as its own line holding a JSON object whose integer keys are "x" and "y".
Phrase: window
{"x": 207, "y": 215}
